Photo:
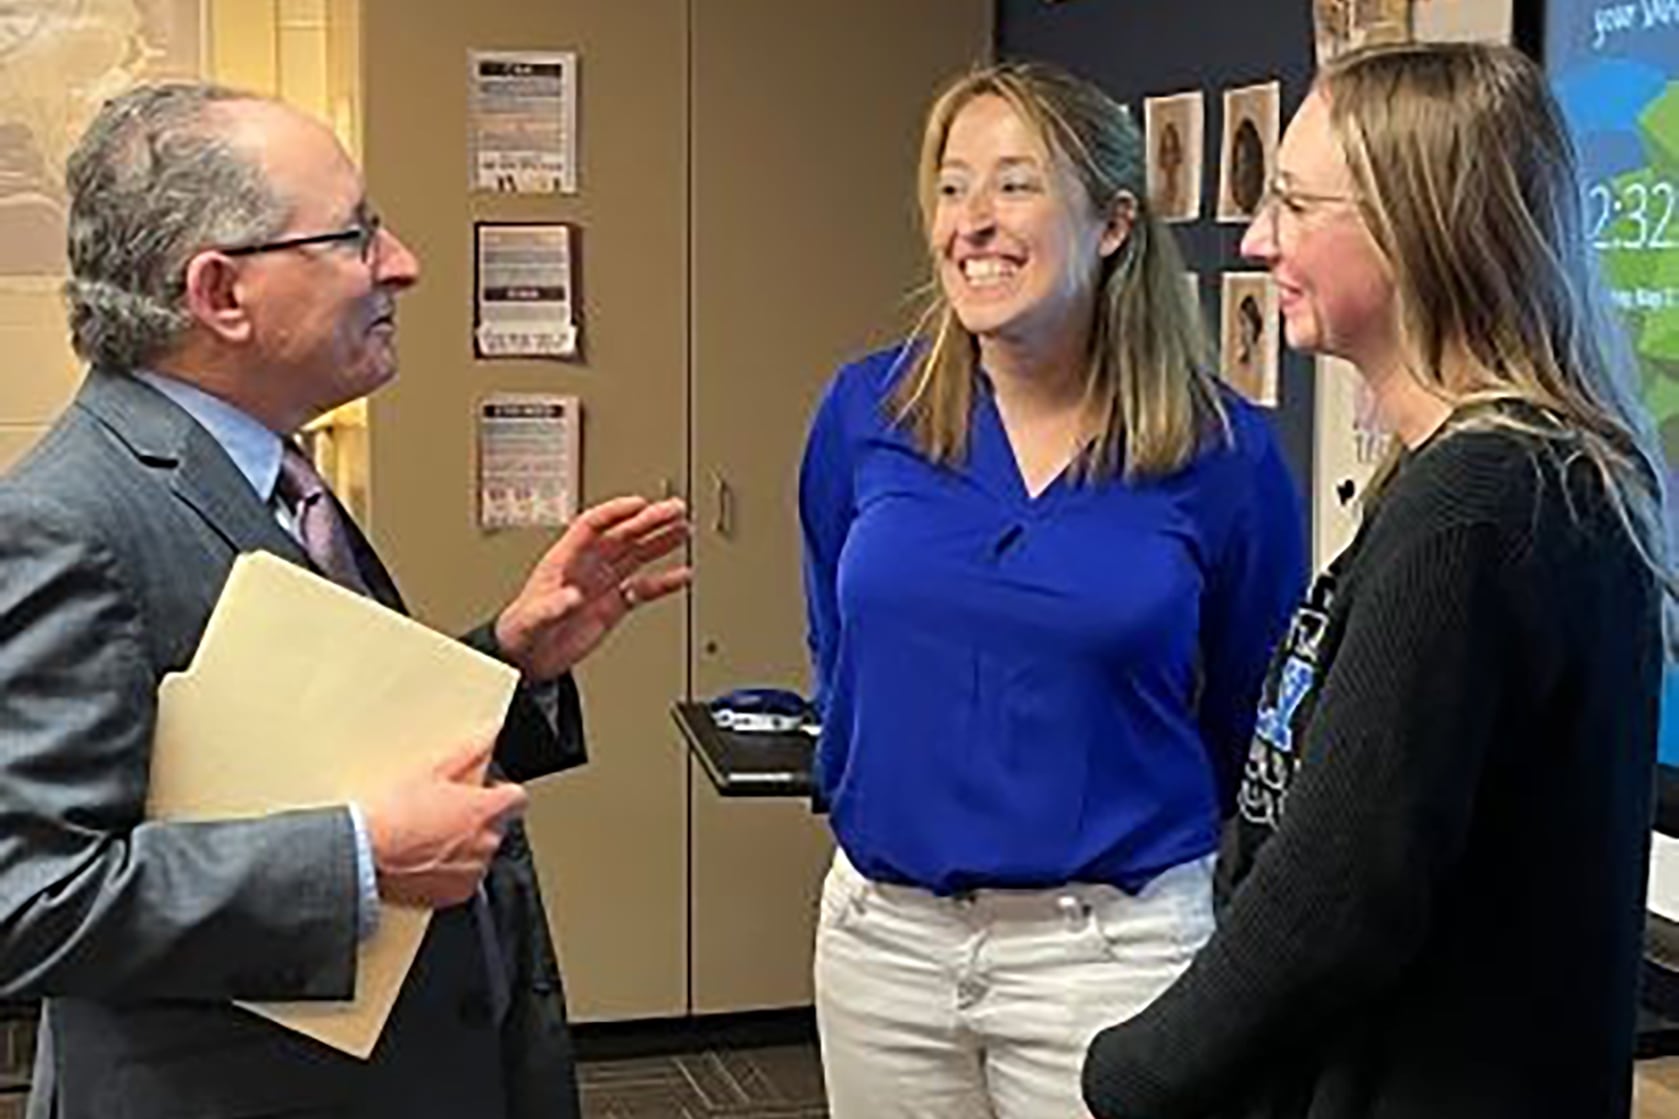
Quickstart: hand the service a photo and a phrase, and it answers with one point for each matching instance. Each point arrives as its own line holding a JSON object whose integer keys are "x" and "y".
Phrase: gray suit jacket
{"x": 116, "y": 535}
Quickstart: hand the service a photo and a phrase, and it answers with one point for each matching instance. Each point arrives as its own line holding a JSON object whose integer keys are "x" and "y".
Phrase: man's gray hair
{"x": 153, "y": 181}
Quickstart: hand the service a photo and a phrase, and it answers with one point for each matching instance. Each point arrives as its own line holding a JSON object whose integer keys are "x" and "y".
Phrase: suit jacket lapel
{"x": 165, "y": 438}
{"x": 379, "y": 582}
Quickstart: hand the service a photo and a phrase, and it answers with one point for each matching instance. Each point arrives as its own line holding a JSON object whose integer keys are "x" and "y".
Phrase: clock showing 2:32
{"x": 1633, "y": 213}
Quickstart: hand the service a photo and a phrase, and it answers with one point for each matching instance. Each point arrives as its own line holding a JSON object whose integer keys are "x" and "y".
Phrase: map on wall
{"x": 59, "y": 60}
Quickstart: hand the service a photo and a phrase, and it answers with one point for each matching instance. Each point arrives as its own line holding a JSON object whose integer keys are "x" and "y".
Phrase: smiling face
{"x": 323, "y": 318}
{"x": 1016, "y": 238}
{"x": 1334, "y": 287}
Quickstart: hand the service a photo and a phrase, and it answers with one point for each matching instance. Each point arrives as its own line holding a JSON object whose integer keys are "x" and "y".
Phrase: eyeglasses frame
{"x": 366, "y": 231}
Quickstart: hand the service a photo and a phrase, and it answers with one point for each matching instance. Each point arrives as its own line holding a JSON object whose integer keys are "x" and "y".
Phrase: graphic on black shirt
{"x": 1272, "y": 758}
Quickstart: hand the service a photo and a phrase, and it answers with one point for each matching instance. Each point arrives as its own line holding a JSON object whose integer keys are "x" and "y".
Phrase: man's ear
{"x": 1122, "y": 215}
{"x": 215, "y": 297}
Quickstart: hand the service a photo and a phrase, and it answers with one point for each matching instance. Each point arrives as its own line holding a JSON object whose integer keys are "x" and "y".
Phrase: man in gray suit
{"x": 229, "y": 283}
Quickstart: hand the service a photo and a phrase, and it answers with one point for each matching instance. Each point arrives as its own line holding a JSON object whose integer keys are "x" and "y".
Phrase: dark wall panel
{"x": 1136, "y": 50}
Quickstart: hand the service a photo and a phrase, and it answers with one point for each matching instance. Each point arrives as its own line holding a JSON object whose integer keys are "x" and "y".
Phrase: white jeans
{"x": 982, "y": 1005}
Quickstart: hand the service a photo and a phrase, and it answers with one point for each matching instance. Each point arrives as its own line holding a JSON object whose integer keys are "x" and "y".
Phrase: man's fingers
{"x": 658, "y": 544}
{"x": 506, "y": 801}
{"x": 646, "y": 588}
{"x": 627, "y": 535}
{"x": 603, "y": 535}
{"x": 466, "y": 762}
{"x": 590, "y": 528}
{"x": 610, "y": 515}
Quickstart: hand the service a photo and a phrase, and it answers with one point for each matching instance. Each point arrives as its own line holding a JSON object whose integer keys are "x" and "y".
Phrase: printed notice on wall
{"x": 528, "y": 448}
{"x": 523, "y": 305}
{"x": 523, "y": 121}
{"x": 1350, "y": 442}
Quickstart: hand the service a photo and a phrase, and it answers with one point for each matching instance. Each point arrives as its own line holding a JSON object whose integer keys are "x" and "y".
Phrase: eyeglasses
{"x": 364, "y": 234}
{"x": 1280, "y": 198}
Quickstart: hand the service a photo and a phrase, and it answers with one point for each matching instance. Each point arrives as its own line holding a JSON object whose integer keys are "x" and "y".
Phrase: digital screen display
{"x": 1615, "y": 69}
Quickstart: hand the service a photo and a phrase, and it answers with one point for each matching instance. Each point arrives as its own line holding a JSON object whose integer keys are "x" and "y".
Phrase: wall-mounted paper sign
{"x": 529, "y": 446}
{"x": 1344, "y": 25}
{"x": 523, "y": 121}
{"x": 524, "y": 290}
{"x": 1349, "y": 443}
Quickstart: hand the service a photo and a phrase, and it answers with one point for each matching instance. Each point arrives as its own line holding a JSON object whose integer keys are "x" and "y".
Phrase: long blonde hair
{"x": 1147, "y": 381}
{"x": 1468, "y": 181}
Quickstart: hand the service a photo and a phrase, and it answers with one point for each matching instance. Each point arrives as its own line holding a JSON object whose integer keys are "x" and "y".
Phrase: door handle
{"x": 723, "y": 510}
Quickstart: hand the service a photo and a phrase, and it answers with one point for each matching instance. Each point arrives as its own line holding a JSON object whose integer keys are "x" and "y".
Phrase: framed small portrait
{"x": 1172, "y": 132}
{"x": 1331, "y": 27}
{"x": 1485, "y": 21}
{"x": 1248, "y": 332}
{"x": 1378, "y": 21}
{"x": 1249, "y": 151}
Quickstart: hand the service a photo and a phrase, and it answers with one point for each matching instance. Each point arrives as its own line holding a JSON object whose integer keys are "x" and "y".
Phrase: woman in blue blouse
{"x": 1046, "y": 556}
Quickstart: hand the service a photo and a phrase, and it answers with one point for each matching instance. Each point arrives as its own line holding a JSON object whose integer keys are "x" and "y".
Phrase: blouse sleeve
{"x": 825, "y": 512}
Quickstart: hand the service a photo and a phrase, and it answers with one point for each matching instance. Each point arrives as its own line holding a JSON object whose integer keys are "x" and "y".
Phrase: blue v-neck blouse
{"x": 1021, "y": 692}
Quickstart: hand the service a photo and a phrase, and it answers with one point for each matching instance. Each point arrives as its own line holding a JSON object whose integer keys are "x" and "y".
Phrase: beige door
{"x": 610, "y": 838}
{"x": 806, "y": 127}
{"x": 746, "y": 206}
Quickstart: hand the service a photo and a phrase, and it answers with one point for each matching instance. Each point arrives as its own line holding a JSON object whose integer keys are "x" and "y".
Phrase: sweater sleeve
{"x": 1338, "y": 901}
{"x": 1255, "y": 584}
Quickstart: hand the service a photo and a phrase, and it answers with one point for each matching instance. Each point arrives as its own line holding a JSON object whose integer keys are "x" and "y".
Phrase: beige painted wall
{"x": 746, "y": 223}
{"x": 746, "y": 191}
{"x": 804, "y": 247}
{"x": 610, "y": 838}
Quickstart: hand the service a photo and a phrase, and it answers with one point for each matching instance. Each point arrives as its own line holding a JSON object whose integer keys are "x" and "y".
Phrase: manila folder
{"x": 304, "y": 694}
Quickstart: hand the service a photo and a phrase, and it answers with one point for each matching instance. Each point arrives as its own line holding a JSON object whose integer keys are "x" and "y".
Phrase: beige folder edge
{"x": 304, "y": 694}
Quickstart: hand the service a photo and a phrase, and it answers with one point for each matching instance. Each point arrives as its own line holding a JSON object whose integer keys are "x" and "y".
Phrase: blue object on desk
{"x": 768, "y": 701}
{"x": 761, "y": 710}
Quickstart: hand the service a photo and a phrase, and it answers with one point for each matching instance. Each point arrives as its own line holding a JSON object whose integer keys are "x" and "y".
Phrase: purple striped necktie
{"x": 326, "y": 538}
{"x": 320, "y": 525}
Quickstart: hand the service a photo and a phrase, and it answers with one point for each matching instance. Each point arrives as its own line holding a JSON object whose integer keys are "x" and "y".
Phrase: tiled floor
{"x": 775, "y": 1082}
{"x": 785, "y": 1082}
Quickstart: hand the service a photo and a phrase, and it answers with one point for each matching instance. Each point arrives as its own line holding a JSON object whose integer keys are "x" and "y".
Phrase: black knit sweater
{"x": 1434, "y": 884}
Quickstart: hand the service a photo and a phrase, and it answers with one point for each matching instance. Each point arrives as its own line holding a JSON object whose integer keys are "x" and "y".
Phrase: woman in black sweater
{"x": 1434, "y": 885}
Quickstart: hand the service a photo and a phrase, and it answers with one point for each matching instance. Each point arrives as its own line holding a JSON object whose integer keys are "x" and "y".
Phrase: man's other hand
{"x": 433, "y": 834}
{"x": 592, "y": 576}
